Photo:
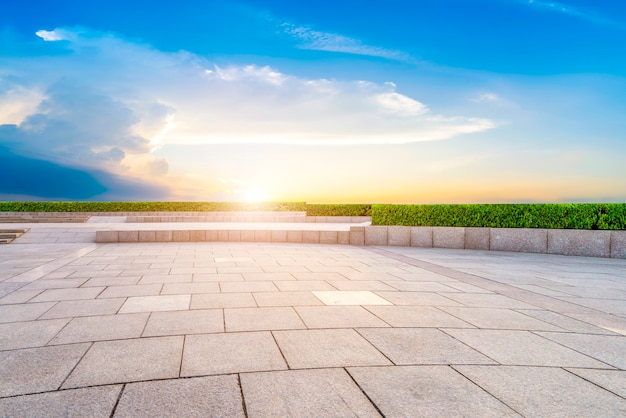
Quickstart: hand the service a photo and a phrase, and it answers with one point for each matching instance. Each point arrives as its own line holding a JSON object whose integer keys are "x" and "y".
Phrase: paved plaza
{"x": 265, "y": 329}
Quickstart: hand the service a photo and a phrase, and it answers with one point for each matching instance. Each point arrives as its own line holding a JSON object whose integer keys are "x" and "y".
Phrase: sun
{"x": 255, "y": 195}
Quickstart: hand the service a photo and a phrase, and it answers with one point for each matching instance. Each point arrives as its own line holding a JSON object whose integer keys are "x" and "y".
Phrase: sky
{"x": 343, "y": 101}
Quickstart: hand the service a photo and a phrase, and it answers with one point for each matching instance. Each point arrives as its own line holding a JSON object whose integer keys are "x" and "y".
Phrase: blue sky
{"x": 422, "y": 101}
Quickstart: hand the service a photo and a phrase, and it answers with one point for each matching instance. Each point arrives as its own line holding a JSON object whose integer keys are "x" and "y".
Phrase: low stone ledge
{"x": 477, "y": 238}
{"x": 422, "y": 236}
{"x": 579, "y": 242}
{"x": 328, "y": 237}
{"x": 448, "y": 237}
{"x": 399, "y": 236}
{"x": 107, "y": 236}
{"x": 376, "y": 235}
{"x": 618, "y": 244}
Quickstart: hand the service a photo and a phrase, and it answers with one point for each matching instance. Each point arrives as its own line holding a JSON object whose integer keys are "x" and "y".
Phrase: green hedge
{"x": 553, "y": 216}
{"x": 150, "y": 206}
{"x": 339, "y": 210}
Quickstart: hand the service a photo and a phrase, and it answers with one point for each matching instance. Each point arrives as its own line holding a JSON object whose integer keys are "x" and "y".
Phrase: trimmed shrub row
{"x": 550, "y": 216}
{"x": 338, "y": 210}
{"x": 150, "y": 206}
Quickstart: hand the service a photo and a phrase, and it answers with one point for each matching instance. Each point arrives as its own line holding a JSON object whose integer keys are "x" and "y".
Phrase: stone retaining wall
{"x": 543, "y": 241}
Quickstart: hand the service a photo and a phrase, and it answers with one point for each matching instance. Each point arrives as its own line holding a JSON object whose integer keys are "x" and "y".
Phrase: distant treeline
{"x": 548, "y": 215}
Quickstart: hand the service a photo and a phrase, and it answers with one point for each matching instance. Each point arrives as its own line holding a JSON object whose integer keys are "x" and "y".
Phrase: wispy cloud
{"x": 309, "y": 38}
{"x": 577, "y": 12}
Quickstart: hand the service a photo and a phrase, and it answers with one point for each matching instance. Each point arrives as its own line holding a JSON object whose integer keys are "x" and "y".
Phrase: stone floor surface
{"x": 257, "y": 329}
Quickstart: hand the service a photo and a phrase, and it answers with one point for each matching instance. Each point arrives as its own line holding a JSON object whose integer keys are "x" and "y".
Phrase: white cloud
{"x": 573, "y": 11}
{"x": 55, "y": 35}
{"x": 485, "y": 98}
{"x": 325, "y": 41}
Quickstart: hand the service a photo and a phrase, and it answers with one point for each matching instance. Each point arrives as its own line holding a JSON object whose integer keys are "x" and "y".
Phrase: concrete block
{"x": 294, "y": 236}
{"x": 147, "y": 236}
{"x": 579, "y": 242}
{"x": 211, "y": 236}
{"x": 523, "y": 240}
{"x": 128, "y": 236}
{"x": 163, "y": 236}
{"x": 180, "y": 236}
{"x": 222, "y": 236}
{"x": 328, "y": 237}
{"x": 448, "y": 237}
{"x": 197, "y": 236}
{"x": 357, "y": 235}
{"x": 310, "y": 219}
{"x": 477, "y": 238}
{"x": 247, "y": 236}
{"x": 343, "y": 237}
{"x": 311, "y": 237}
{"x": 234, "y": 236}
{"x": 376, "y": 235}
{"x": 278, "y": 236}
{"x": 399, "y": 236}
{"x": 618, "y": 244}
{"x": 339, "y": 219}
{"x": 262, "y": 236}
{"x": 107, "y": 236}
{"x": 422, "y": 236}
{"x": 360, "y": 219}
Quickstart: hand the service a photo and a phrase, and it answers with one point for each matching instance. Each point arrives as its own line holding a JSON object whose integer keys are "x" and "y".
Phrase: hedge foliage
{"x": 150, "y": 206}
{"x": 339, "y": 210}
{"x": 552, "y": 216}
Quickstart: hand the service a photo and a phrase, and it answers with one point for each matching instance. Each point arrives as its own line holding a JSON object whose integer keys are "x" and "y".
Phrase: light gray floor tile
{"x": 320, "y": 276}
{"x": 222, "y": 300}
{"x": 226, "y": 277}
{"x": 102, "y": 327}
{"x": 93, "y": 307}
{"x": 54, "y": 284}
{"x": 258, "y": 319}
{"x": 76, "y": 403}
{"x": 419, "y": 286}
{"x": 314, "y": 393}
{"x": 268, "y": 277}
{"x": 338, "y": 317}
{"x": 611, "y": 380}
{"x": 230, "y": 353}
{"x": 165, "y": 278}
{"x": 132, "y": 290}
{"x": 17, "y": 335}
{"x": 303, "y": 285}
{"x": 37, "y": 369}
{"x": 214, "y": 396}
{"x": 489, "y": 301}
{"x": 185, "y": 322}
{"x": 189, "y": 288}
{"x": 54, "y": 295}
{"x": 412, "y": 346}
{"x": 327, "y": 348}
{"x": 545, "y": 392}
{"x": 112, "y": 281}
{"x": 496, "y": 318}
{"x": 426, "y": 391}
{"x": 239, "y": 287}
{"x": 286, "y": 299}
{"x": 23, "y": 312}
{"x": 522, "y": 348}
{"x": 121, "y": 361}
{"x": 349, "y": 297}
{"x": 417, "y": 299}
{"x": 610, "y": 349}
{"x": 417, "y": 316}
{"x": 19, "y": 296}
{"x": 360, "y": 285}
{"x": 156, "y": 303}
{"x": 565, "y": 322}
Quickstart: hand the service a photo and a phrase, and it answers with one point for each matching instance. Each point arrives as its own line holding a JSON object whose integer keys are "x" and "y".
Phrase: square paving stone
{"x": 417, "y": 316}
{"x": 426, "y": 391}
{"x": 215, "y": 396}
{"x": 286, "y": 299}
{"x": 314, "y": 393}
{"x": 522, "y": 348}
{"x": 29, "y": 334}
{"x": 156, "y": 303}
{"x": 240, "y": 287}
{"x": 53, "y": 295}
{"x": 338, "y": 317}
{"x": 499, "y": 319}
{"x": 350, "y": 297}
{"x": 417, "y": 299}
{"x": 611, "y": 380}
{"x": 128, "y": 360}
{"x": 75, "y": 403}
{"x": 230, "y": 353}
{"x": 565, "y": 322}
{"x": 421, "y": 286}
{"x": 489, "y": 301}
{"x": 258, "y": 319}
{"x": 185, "y": 322}
{"x": 413, "y": 346}
{"x": 303, "y": 285}
{"x": 545, "y": 392}
{"x": 23, "y": 312}
{"x": 133, "y": 290}
{"x": 37, "y": 369}
{"x": 327, "y": 348}
{"x": 610, "y": 349}
{"x": 189, "y": 288}
{"x": 222, "y": 300}
{"x": 103, "y": 327}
